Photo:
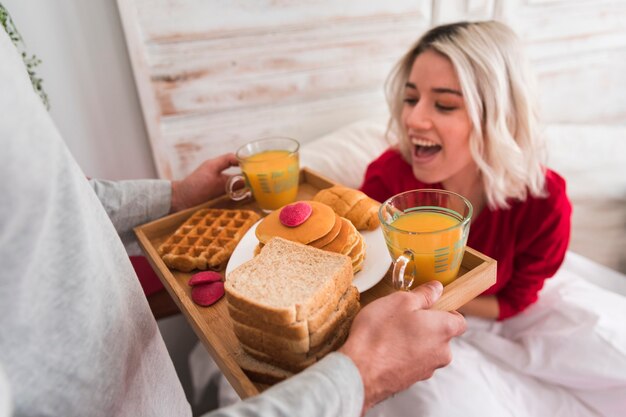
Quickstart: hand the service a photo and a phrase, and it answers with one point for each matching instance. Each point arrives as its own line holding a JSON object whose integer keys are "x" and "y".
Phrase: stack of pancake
{"x": 324, "y": 229}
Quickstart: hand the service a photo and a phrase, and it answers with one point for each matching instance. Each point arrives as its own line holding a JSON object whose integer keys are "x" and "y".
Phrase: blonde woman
{"x": 461, "y": 103}
{"x": 462, "y": 106}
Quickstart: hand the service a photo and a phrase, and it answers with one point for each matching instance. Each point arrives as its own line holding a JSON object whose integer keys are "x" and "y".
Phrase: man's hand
{"x": 395, "y": 341}
{"x": 205, "y": 183}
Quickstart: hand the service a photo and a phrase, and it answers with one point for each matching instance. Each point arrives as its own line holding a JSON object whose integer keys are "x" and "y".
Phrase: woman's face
{"x": 436, "y": 122}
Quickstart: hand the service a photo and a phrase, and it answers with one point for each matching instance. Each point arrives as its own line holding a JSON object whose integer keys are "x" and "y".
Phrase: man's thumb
{"x": 225, "y": 161}
{"x": 430, "y": 292}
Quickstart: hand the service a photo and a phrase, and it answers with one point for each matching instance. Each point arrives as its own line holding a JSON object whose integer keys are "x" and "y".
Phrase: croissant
{"x": 352, "y": 204}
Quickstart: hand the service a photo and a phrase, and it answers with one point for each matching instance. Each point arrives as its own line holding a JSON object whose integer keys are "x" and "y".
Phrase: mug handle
{"x": 240, "y": 194}
{"x": 399, "y": 266}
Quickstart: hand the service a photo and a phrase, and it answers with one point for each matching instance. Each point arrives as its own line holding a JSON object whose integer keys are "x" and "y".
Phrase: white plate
{"x": 375, "y": 265}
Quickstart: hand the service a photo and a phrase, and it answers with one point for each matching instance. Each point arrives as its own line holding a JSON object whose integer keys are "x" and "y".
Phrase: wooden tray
{"x": 212, "y": 324}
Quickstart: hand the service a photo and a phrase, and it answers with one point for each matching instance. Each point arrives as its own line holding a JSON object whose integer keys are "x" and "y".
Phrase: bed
{"x": 565, "y": 355}
{"x": 213, "y": 75}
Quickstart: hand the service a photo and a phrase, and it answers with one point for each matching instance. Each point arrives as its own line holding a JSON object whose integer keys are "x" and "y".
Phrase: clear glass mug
{"x": 271, "y": 172}
{"x": 426, "y": 232}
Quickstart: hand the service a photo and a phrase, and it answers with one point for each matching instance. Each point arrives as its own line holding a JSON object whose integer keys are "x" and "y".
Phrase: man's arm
{"x": 134, "y": 202}
{"x": 331, "y": 387}
{"x": 394, "y": 342}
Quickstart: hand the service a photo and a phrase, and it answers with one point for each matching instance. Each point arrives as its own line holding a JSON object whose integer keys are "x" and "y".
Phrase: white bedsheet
{"x": 564, "y": 356}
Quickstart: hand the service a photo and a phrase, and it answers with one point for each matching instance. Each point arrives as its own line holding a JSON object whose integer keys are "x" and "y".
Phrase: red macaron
{"x": 204, "y": 277}
{"x": 207, "y": 294}
{"x": 295, "y": 214}
{"x": 207, "y": 287}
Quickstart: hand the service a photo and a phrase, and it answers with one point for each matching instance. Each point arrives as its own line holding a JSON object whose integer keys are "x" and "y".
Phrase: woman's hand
{"x": 485, "y": 306}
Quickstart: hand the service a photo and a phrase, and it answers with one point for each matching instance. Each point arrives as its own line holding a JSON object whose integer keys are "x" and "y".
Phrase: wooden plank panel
{"x": 350, "y": 38}
{"x": 147, "y": 96}
{"x": 194, "y": 138}
{"x": 567, "y": 49}
{"x": 317, "y": 64}
{"x": 573, "y": 20}
{"x": 578, "y": 52}
{"x": 448, "y": 11}
{"x": 274, "y": 63}
{"x": 584, "y": 89}
{"x": 167, "y": 20}
{"x": 203, "y": 96}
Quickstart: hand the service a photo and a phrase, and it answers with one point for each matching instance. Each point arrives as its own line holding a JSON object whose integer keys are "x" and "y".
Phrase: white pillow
{"x": 344, "y": 154}
{"x": 592, "y": 159}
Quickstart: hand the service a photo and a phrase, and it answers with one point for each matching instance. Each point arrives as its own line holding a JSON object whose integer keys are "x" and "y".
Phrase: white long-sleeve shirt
{"x": 76, "y": 334}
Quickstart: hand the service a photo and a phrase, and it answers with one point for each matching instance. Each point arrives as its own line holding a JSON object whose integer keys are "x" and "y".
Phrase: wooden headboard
{"x": 214, "y": 74}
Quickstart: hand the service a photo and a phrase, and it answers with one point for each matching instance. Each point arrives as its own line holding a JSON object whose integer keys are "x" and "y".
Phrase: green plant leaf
{"x": 31, "y": 62}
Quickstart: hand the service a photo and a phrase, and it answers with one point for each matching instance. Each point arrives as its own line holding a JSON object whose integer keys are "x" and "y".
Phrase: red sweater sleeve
{"x": 544, "y": 232}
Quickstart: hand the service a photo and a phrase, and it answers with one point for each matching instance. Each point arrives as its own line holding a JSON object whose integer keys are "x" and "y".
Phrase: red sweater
{"x": 528, "y": 240}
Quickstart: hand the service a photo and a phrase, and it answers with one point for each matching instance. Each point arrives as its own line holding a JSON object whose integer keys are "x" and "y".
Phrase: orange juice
{"x": 436, "y": 250}
{"x": 273, "y": 177}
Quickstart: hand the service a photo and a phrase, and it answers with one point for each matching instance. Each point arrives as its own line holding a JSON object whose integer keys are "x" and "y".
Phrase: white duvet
{"x": 564, "y": 356}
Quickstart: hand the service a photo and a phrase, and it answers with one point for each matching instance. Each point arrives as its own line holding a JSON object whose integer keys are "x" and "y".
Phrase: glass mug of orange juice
{"x": 271, "y": 171}
{"x": 426, "y": 233}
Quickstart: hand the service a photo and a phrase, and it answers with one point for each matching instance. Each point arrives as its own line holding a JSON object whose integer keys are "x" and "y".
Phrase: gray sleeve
{"x": 133, "y": 202}
{"x": 331, "y": 387}
{"x": 6, "y": 404}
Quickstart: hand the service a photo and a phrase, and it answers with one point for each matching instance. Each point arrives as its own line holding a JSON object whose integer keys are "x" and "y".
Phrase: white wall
{"x": 87, "y": 75}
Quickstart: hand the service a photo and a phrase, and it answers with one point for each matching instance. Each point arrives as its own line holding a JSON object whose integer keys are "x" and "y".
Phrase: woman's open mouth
{"x": 424, "y": 149}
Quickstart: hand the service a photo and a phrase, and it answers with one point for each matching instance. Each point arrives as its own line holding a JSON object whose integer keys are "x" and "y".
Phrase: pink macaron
{"x": 295, "y": 214}
{"x": 207, "y": 294}
{"x": 204, "y": 277}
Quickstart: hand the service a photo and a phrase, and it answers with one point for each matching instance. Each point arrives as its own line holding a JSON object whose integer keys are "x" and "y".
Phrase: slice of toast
{"x": 267, "y": 342}
{"x": 259, "y": 371}
{"x": 297, "y": 361}
{"x": 288, "y": 281}
{"x": 329, "y": 312}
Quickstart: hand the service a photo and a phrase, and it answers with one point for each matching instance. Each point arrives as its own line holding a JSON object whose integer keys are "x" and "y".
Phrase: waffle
{"x": 207, "y": 239}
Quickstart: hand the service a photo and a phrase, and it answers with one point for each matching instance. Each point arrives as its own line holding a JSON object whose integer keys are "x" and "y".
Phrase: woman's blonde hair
{"x": 498, "y": 90}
